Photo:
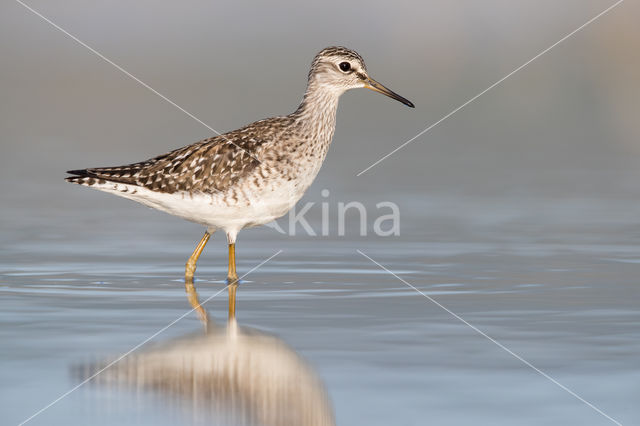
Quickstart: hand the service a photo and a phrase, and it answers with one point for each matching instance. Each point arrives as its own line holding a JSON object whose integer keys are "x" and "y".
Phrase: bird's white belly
{"x": 219, "y": 210}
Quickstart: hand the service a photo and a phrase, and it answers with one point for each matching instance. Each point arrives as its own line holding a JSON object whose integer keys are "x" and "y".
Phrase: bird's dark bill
{"x": 374, "y": 85}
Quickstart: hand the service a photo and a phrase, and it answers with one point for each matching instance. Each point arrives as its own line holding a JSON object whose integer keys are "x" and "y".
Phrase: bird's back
{"x": 211, "y": 165}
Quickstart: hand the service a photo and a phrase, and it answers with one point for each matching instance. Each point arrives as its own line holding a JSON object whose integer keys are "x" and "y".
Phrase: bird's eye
{"x": 345, "y": 66}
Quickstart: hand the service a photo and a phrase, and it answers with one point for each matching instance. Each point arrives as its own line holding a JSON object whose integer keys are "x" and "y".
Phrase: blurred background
{"x": 537, "y": 177}
{"x": 563, "y": 127}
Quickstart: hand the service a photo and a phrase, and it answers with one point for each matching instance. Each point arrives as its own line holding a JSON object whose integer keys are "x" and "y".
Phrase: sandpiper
{"x": 246, "y": 177}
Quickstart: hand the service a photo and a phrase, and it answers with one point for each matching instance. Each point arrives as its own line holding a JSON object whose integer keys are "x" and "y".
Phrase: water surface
{"x": 560, "y": 292}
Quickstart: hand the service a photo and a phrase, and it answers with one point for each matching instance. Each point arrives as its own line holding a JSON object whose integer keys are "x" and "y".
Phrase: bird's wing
{"x": 208, "y": 166}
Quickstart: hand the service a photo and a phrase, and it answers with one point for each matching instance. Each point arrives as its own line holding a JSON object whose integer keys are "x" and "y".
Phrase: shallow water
{"x": 560, "y": 290}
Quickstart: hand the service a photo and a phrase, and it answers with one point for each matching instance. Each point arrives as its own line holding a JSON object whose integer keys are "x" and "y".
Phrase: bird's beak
{"x": 370, "y": 83}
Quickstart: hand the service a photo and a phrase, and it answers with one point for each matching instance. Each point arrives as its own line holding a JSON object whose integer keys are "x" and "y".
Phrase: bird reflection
{"x": 230, "y": 374}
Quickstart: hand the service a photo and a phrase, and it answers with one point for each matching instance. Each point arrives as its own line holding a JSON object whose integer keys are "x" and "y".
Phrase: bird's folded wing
{"x": 209, "y": 166}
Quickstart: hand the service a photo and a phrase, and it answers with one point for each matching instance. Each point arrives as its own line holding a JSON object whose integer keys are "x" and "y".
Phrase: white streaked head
{"x": 338, "y": 69}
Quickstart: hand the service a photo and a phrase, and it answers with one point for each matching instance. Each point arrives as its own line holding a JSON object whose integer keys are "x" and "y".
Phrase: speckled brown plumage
{"x": 211, "y": 165}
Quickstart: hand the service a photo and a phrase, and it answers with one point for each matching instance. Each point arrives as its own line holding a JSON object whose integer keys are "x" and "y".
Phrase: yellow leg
{"x": 190, "y": 267}
{"x": 232, "y": 276}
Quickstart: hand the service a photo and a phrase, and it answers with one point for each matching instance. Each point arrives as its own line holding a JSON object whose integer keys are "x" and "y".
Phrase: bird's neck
{"x": 317, "y": 112}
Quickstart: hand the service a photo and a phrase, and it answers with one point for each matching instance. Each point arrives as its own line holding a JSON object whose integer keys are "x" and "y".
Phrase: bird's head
{"x": 339, "y": 69}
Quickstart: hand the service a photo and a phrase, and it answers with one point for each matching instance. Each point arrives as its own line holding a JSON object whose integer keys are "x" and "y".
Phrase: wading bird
{"x": 246, "y": 177}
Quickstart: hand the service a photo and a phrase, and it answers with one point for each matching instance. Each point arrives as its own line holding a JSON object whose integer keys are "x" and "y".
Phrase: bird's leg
{"x": 232, "y": 276}
{"x": 190, "y": 267}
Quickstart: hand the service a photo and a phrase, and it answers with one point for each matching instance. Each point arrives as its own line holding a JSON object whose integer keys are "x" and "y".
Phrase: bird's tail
{"x": 83, "y": 177}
